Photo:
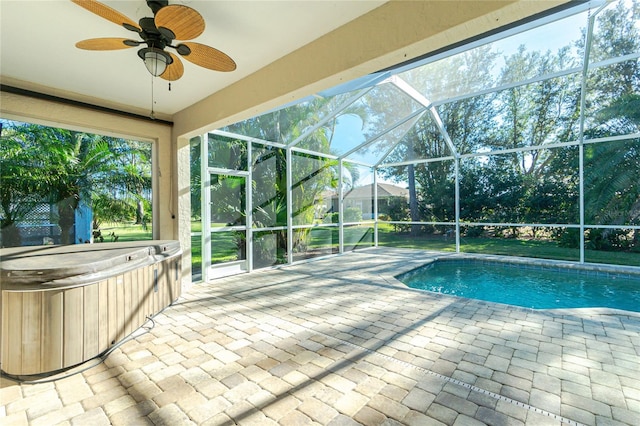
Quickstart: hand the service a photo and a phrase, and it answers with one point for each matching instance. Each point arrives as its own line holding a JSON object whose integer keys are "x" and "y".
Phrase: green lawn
{"x": 502, "y": 246}
{"x": 125, "y": 232}
{"x": 196, "y": 253}
{"x": 324, "y": 238}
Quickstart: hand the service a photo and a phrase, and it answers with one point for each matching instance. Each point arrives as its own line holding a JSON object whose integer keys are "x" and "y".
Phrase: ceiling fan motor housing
{"x": 156, "y": 41}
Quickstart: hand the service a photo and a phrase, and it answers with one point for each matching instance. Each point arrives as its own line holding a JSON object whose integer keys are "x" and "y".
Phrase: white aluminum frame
{"x": 427, "y": 106}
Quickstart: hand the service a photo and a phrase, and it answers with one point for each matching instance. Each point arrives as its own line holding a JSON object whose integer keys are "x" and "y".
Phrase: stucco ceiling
{"x": 37, "y": 47}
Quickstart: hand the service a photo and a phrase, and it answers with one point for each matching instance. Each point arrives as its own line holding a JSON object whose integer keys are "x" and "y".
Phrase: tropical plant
{"x": 77, "y": 163}
{"x": 311, "y": 174}
{"x": 65, "y": 168}
{"x": 23, "y": 179}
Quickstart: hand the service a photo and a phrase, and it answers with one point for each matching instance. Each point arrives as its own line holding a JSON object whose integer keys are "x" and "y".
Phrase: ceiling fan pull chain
{"x": 169, "y": 86}
{"x": 152, "y": 116}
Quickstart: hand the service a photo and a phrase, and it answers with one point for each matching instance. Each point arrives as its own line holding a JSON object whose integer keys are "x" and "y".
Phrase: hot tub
{"x": 63, "y": 305}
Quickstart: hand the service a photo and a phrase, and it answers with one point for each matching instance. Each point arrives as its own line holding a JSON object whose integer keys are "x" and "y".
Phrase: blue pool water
{"x": 539, "y": 288}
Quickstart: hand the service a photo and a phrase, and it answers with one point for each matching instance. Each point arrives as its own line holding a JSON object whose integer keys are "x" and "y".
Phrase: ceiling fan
{"x": 169, "y": 24}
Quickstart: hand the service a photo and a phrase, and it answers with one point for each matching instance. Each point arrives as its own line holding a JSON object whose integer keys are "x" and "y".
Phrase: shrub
{"x": 569, "y": 238}
{"x": 331, "y": 218}
{"x": 473, "y": 231}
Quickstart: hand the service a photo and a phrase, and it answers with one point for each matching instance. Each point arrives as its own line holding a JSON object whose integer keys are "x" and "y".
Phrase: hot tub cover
{"x": 23, "y": 268}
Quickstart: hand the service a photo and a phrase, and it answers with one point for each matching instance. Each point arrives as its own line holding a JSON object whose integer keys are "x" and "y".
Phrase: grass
{"x": 125, "y": 232}
{"x": 326, "y": 239}
{"x": 545, "y": 249}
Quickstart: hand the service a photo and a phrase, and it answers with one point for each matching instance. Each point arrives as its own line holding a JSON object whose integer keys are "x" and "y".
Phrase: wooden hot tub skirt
{"x": 55, "y": 318}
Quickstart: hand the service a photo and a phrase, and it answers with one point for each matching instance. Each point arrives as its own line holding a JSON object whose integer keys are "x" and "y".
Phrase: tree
{"x": 131, "y": 174}
{"x": 122, "y": 194}
{"x": 77, "y": 162}
{"x": 537, "y": 185}
{"x": 397, "y": 209}
{"x": 195, "y": 177}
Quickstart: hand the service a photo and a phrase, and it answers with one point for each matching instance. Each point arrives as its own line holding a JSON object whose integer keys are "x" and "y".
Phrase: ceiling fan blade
{"x": 174, "y": 71}
{"x": 108, "y": 13}
{"x": 184, "y": 22}
{"x": 208, "y": 57}
{"x": 109, "y": 43}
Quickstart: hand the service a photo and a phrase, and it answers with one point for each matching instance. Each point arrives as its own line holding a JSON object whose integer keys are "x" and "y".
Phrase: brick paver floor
{"x": 339, "y": 341}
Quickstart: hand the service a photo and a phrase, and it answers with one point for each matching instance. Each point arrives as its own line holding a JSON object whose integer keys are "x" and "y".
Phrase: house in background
{"x": 361, "y": 198}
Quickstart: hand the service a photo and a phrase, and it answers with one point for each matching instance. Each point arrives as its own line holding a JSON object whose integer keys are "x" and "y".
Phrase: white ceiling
{"x": 37, "y": 47}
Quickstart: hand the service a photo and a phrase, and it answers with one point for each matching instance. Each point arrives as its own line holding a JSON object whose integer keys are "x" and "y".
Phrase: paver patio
{"x": 339, "y": 341}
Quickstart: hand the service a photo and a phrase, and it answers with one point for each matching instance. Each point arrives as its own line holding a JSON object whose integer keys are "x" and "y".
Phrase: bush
{"x": 473, "y": 231}
{"x": 608, "y": 240}
{"x": 569, "y": 238}
{"x": 331, "y": 218}
{"x": 398, "y": 209}
{"x": 352, "y": 214}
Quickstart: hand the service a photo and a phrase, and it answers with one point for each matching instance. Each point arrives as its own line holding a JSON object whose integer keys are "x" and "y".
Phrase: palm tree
{"x": 78, "y": 163}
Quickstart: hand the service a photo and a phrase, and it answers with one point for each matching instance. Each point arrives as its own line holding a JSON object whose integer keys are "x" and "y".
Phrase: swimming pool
{"x": 537, "y": 287}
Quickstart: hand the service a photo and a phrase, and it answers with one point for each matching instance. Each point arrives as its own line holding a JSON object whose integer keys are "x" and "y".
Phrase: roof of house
{"x": 385, "y": 190}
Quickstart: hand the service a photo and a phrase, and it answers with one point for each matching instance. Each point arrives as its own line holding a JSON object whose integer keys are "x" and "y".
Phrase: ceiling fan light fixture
{"x": 156, "y": 63}
{"x": 156, "y": 60}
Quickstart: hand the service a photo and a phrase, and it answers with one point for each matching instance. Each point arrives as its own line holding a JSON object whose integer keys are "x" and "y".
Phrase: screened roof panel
{"x": 457, "y": 75}
{"x": 287, "y": 124}
{"x": 374, "y": 151}
{"x": 423, "y": 141}
{"x": 549, "y": 49}
{"x": 516, "y": 92}
{"x": 369, "y": 80}
{"x": 375, "y": 112}
{"x": 271, "y": 126}
{"x": 535, "y": 114}
{"x": 553, "y": 47}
